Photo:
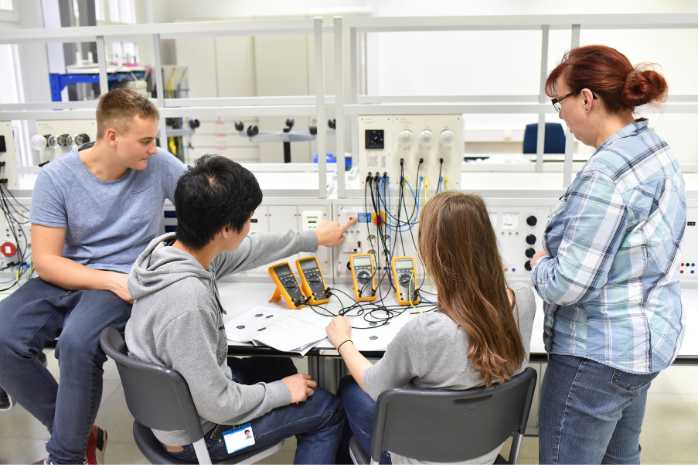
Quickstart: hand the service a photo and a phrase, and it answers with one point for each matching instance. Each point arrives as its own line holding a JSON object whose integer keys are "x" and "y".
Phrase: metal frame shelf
{"x": 356, "y": 104}
{"x": 313, "y": 105}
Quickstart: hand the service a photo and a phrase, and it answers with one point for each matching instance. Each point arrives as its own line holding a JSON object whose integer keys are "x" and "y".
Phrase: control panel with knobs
{"x": 426, "y": 149}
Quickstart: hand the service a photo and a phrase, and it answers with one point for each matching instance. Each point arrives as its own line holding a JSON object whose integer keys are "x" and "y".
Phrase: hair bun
{"x": 642, "y": 87}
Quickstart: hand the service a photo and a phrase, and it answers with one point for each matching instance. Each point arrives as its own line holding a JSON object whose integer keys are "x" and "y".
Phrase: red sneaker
{"x": 96, "y": 446}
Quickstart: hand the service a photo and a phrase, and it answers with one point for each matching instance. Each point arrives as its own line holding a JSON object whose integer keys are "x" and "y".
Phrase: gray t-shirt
{"x": 108, "y": 223}
{"x": 430, "y": 352}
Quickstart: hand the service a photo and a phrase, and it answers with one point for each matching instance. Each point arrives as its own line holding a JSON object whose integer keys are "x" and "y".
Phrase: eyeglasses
{"x": 556, "y": 102}
{"x": 558, "y": 106}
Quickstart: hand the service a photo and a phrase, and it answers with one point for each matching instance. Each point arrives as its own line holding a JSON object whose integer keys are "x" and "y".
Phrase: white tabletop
{"x": 239, "y": 297}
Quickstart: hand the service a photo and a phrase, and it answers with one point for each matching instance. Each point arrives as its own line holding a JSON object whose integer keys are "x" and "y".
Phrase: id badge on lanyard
{"x": 238, "y": 438}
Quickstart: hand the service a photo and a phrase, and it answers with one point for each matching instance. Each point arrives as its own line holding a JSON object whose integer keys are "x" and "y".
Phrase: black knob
{"x": 239, "y": 126}
{"x": 530, "y": 252}
{"x": 363, "y": 274}
{"x": 527, "y": 265}
{"x": 290, "y": 122}
{"x": 312, "y": 130}
{"x": 252, "y": 131}
{"x": 194, "y": 123}
{"x": 530, "y": 239}
{"x": 531, "y": 220}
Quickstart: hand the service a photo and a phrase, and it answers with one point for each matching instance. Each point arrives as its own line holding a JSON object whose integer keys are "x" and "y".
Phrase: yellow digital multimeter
{"x": 405, "y": 276}
{"x": 363, "y": 272}
{"x": 312, "y": 282}
{"x": 287, "y": 286}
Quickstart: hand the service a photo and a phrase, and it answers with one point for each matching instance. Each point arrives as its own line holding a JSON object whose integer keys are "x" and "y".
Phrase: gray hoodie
{"x": 177, "y": 322}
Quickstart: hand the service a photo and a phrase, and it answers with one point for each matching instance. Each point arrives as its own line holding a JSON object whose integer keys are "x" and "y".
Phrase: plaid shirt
{"x": 611, "y": 282}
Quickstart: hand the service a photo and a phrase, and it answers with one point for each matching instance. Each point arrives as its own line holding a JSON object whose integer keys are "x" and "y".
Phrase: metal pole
{"x": 540, "y": 147}
{"x": 102, "y": 62}
{"x": 353, "y": 95}
{"x": 320, "y": 102}
{"x": 569, "y": 140}
{"x": 339, "y": 103}
{"x": 157, "y": 69}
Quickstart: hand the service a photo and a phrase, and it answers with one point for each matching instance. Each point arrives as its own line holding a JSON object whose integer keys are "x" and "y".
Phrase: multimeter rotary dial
{"x": 363, "y": 274}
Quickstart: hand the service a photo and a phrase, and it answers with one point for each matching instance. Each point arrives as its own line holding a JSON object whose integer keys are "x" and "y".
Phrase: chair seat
{"x": 151, "y": 448}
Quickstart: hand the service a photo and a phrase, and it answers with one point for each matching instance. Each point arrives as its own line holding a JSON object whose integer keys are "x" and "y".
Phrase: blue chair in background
{"x": 554, "y": 138}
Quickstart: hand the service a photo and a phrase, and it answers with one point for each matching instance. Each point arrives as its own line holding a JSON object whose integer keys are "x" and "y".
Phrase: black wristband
{"x": 340, "y": 345}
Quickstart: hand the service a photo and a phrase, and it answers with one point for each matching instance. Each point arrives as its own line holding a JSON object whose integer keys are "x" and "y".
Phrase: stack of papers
{"x": 285, "y": 330}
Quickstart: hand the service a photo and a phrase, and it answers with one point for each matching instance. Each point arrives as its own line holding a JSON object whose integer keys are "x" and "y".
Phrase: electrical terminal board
{"x": 424, "y": 149}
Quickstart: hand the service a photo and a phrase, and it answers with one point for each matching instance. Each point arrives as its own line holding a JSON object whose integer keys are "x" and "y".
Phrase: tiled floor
{"x": 669, "y": 434}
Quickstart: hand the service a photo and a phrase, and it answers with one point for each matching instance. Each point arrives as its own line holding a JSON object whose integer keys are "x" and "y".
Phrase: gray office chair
{"x": 450, "y": 426}
{"x": 159, "y": 398}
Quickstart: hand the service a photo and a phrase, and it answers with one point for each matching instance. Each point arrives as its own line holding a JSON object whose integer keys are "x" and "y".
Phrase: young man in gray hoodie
{"x": 177, "y": 319}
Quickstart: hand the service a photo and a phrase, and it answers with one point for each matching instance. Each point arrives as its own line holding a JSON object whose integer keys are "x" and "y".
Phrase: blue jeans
{"x": 34, "y": 316}
{"x": 317, "y": 423}
{"x": 361, "y": 411}
{"x": 590, "y": 413}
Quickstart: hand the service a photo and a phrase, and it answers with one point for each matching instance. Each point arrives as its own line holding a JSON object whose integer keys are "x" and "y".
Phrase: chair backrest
{"x": 554, "y": 138}
{"x": 451, "y": 426}
{"x": 156, "y": 396}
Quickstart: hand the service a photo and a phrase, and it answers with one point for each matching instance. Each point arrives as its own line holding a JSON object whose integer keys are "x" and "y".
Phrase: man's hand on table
{"x": 301, "y": 387}
{"x": 331, "y": 233}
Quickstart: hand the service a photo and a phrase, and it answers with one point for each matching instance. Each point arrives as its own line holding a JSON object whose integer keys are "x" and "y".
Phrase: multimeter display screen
{"x": 308, "y": 265}
{"x": 362, "y": 261}
{"x": 404, "y": 264}
{"x": 283, "y": 270}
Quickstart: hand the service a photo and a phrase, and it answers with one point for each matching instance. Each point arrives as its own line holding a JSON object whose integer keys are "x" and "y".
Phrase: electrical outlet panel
{"x": 425, "y": 148}
{"x": 275, "y": 216}
{"x": 15, "y": 237}
{"x": 8, "y": 156}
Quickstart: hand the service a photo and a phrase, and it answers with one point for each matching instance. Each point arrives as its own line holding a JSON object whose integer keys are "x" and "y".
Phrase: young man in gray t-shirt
{"x": 93, "y": 212}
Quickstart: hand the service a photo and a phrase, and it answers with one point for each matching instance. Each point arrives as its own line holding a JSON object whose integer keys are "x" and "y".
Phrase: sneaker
{"x": 96, "y": 446}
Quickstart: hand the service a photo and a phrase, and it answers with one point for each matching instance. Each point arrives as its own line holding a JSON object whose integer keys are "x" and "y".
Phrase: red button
{"x": 8, "y": 249}
{"x": 681, "y": 271}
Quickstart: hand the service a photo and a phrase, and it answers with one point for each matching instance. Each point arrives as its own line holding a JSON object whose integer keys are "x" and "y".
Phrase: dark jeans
{"x": 361, "y": 411}
{"x": 32, "y": 317}
{"x": 590, "y": 413}
{"x": 317, "y": 423}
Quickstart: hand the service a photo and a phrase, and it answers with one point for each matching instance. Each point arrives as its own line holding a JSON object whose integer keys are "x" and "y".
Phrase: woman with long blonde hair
{"x": 480, "y": 333}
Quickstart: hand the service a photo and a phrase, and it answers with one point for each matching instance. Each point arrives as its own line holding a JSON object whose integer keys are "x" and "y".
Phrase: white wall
{"x": 171, "y": 10}
{"x": 482, "y": 63}
{"x": 504, "y": 62}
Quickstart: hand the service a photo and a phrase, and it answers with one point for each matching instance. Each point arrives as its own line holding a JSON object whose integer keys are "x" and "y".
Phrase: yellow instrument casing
{"x": 405, "y": 288}
{"x": 368, "y": 274}
{"x": 287, "y": 286}
{"x": 312, "y": 282}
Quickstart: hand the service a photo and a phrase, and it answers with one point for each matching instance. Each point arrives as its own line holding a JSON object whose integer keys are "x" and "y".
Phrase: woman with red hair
{"x": 609, "y": 268}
